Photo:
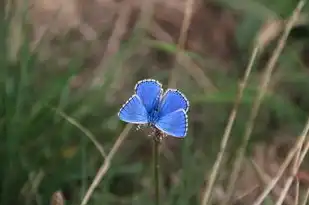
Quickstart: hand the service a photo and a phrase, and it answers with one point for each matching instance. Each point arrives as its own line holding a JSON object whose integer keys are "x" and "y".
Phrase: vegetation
{"x": 59, "y": 127}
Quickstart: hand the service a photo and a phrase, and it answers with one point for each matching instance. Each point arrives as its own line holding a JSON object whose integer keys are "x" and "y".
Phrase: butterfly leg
{"x": 156, "y": 134}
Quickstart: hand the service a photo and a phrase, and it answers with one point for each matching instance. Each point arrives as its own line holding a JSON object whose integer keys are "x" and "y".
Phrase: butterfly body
{"x": 153, "y": 117}
{"x": 167, "y": 112}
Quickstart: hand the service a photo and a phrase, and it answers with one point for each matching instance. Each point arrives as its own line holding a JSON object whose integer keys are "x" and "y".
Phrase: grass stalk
{"x": 306, "y": 197}
{"x": 300, "y": 142}
{"x": 256, "y": 105}
{"x": 106, "y": 165}
{"x": 228, "y": 129}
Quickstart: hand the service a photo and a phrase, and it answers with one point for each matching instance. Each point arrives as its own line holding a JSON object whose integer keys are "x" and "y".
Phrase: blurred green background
{"x": 59, "y": 94}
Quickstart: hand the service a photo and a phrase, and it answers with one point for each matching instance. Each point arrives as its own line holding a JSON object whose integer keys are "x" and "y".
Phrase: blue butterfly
{"x": 167, "y": 112}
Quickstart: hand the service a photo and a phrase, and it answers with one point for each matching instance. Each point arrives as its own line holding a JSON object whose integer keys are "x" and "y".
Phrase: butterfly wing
{"x": 149, "y": 91}
{"x": 133, "y": 111}
{"x": 171, "y": 101}
{"x": 174, "y": 123}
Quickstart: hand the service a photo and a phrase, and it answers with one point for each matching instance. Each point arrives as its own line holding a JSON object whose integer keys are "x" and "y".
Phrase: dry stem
{"x": 254, "y": 112}
{"x": 105, "y": 166}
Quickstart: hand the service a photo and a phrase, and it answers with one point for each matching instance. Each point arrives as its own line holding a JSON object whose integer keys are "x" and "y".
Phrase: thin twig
{"x": 247, "y": 192}
{"x": 296, "y": 201}
{"x": 264, "y": 178}
{"x": 114, "y": 41}
{"x": 305, "y": 150}
{"x": 284, "y": 165}
{"x": 288, "y": 183}
{"x": 254, "y": 112}
{"x": 296, "y": 163}
{"x": 228, "y": 128}
{"x": 306, "y": 197}
{"x": 105, "y": 166}
{"x": 182, "y": 39}
{"x": 73, "y": 122}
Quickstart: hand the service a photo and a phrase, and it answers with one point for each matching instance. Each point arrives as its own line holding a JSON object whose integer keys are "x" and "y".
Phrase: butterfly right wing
{"x": 171, "y": 101}
{"x": 134, "y": 111}
{"x": 149, "y": 91}
{"x": 174, "y": 123}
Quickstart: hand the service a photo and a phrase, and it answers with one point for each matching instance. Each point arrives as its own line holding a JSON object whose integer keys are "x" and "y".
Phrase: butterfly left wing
{"x": 149, "y": 91}
{"x": 173, "y": 100}
{"x": 133, "y": 111}
{"x": 174, "y": 123}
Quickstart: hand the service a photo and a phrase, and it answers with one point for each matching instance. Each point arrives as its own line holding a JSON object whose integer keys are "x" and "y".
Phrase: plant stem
{"x": 156, "y": 166}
